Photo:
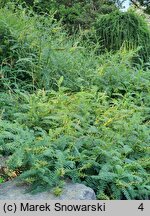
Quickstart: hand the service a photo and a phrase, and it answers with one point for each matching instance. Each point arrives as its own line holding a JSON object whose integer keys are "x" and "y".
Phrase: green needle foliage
{"x": 117, "y": 30}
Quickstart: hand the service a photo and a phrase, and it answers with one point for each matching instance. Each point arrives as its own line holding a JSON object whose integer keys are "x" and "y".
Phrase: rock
{"x": 12, "y": 190}
{"x": 3, "y": 166}
{"x": 3, "y": 161}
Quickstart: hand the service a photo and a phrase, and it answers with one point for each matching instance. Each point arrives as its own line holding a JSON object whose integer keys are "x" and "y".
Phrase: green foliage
{"x": 57, "y": 191}
{"x": 74, "y": 14}
{"x": 115, "y": 74}
{"x": 21, "y": 62}
{"x": 12, "y": 136}
{"x": 87, "y": 137}
{"x": 36, "y": 60}
{"x": 16, "y": 52}
{"x": 68, "y": 113}
{"x": 117, "y": 30}
{"x": 1, "y": 180}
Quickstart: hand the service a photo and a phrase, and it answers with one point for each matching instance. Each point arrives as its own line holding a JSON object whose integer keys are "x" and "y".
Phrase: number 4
{"x": 141, "y": 207}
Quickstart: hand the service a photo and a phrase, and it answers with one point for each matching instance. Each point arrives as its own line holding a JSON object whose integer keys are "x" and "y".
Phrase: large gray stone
{"x": 11, "y": 190}
{"x": 3, "y": 162}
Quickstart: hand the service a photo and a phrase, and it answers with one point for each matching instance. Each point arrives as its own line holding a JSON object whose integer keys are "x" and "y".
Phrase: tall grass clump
{"x": 119, "y": 29}
{"x": 39, "y": 52}
{"x": 17, "y": 53}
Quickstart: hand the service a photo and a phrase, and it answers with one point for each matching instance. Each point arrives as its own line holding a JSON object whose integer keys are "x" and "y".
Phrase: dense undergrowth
{"x": 67, "y": 112}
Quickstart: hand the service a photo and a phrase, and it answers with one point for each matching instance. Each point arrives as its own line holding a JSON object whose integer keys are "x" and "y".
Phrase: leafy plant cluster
{"x": 68, "y": 112}
{"x": 81, "y": 137}
{"x": 33, "y": 49}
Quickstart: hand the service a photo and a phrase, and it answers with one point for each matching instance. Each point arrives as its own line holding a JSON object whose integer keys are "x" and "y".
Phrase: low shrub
{"x": 84, "y": 136}
{"x": 13, "y": 136}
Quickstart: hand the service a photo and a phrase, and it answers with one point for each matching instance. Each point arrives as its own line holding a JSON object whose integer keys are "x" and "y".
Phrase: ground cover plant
{"x": 69, "y": 112}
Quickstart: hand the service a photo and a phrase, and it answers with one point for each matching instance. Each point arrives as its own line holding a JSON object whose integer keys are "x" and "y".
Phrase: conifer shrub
{"x": 118, "y": 29}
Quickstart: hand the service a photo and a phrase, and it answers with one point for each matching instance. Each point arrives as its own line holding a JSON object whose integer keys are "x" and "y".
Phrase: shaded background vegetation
{"x": 75, "y": 96}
